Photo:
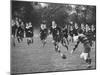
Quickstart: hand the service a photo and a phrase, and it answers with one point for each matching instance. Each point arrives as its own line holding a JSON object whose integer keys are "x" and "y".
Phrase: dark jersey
{"x": 89, "y": 34}
{"x": 65, "y": 33}
{"x": 84, "y": 40}
{"x": 93, "y": 35}
{"x": 94, "y": 32}
{"x": 43, "y": 33}
{"x": 14, "y": 28}
{"x": 75, "y": 32}
{"x": 71, "y": 33}
{"x": 29, "y": 31}
{"x": 83, "y": 32}
{"x": 20, "y": 32}
{"x": 56, "y": 33}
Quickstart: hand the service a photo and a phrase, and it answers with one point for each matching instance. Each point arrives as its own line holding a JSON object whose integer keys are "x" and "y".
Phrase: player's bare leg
{"x": 13, "y": 40}
{"x": 88, "y": 61}
{"x": 57, "y": 49}
{"x": 67, "y": 41}
{"x": 32, "y": 39}
{"x": 28, "y": 41}
{"x": 44, "y": 42}
{"x": 19, "y": 40}
{"x": 64, "y": 43}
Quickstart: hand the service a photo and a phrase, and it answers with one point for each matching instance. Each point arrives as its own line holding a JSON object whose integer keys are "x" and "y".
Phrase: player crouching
{"x": 87, "y": 48}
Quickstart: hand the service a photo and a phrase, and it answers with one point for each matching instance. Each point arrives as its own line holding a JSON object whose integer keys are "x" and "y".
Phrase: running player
{"x": 87, "y": 48}
{"x": 88, "y": 34}
{"x": 65, "y": 33}
{"x": 20, "y": 33}
{"x": 29, "y": 33}
{"x": 93, "y": 32}
{"x": 64, "y": 38}
{"x": 43, "y": 33}
{"x": 14, "y": 30}
{"x": 75, "y": 32}
{"x": 71, "y": 34}
{"x": 57, "y": 38}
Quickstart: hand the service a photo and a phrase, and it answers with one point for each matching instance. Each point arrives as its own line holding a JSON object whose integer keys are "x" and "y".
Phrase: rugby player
{"x": 14, "y": 30}
{"x": 65, "y": 33}
{"x": 57, "y": 38}
{"x": 43, "y": 33}
{"x": 20, "y": 33}
{"x": 29, "y": 32}
{"x": 87, "y": 48}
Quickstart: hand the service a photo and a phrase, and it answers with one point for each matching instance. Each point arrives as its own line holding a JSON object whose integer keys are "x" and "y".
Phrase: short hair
{"x": 80, "y": 31}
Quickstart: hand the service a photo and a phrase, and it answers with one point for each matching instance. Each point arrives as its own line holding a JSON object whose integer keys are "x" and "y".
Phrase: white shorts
{"x": 53, "y": 41}
{"x": 84, "y": 55}
{"x": 12, "y": 36}
{"x": 75, "y": 38}
{"x": 29, "y": 38}
{"x": 59, "y": 44}
{"x": 69, "y": 37}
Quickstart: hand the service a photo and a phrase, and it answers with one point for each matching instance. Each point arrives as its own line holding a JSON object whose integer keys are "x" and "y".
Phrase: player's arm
{"x": 16, "y": 32}
{"x": 58, "y": 31}
{"x": 75, "y": 46}
{"x": 50, "y": 31}
{"x": 40, "y": 31}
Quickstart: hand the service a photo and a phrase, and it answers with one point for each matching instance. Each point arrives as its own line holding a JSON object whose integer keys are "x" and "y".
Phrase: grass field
{"x": 35, "y": 58}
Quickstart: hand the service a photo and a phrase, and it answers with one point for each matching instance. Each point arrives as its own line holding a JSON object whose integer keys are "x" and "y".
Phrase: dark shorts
{"x": 93, "y": 38}
{"x": 87, "y": 48}
{"x": 21, "y": 34}
{"x": 29, "y": 34}
{"x": 57, "y": 38}
{"x": 71, "y": 35}
{"x": 66, "y": 36}
{"x": 43, "y": 36}
{"x": 13, "y": 33}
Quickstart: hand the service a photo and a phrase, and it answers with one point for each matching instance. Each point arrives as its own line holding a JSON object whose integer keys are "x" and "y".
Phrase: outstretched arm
{"x": 76, "y": 46}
